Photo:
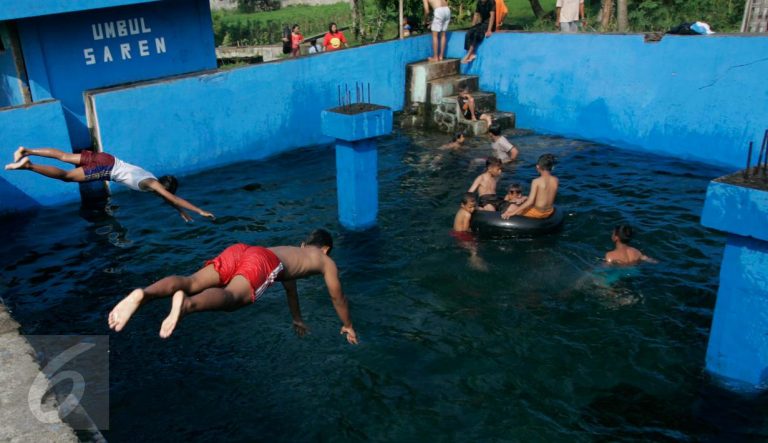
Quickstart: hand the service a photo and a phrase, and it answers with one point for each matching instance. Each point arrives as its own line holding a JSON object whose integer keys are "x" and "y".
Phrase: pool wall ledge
{"x": 357, "y": 185}
{"x": 738, "y": 340}
{"x": 18, "y": 369}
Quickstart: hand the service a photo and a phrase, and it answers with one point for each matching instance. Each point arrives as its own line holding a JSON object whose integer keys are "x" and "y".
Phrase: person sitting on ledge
{"x": 623, "y": 254}
{"x": 541, "y": 200}
{"x": 237, "y": 277}
{"x": 99, "y": 166}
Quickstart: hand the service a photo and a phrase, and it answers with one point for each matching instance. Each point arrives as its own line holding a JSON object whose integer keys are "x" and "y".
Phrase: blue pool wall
{"x": 68, "y": 54}
{"x": 194, "y": 123}
{"x": 694, "y": 97}
{"x": 16, "y": 9}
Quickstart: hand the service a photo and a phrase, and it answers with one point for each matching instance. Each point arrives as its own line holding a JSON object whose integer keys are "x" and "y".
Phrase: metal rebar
{"x": 749, "y": 160}
{"x": 339, "y": 90}
{"x": 369, "y": 94}
{"x": 760, "y": 155}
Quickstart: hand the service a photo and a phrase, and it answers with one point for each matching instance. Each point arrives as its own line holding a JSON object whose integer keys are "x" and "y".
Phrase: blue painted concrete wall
{"x": 68, "y": 54}
{"x": 694, "y": 97}
{"x": 738, "y": 343}
{"x": 14, "y": 9}
{"x": 10, "y": 88}
{"x": 194, "y": 123}
{"x": 736, "y": 210}
{"x": 38, "y": 125}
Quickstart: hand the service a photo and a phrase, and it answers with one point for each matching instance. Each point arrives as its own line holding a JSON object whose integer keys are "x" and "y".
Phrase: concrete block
{"x": 360, "y": 126}
{"x": 451, "y": 85}
{"x": 357, "y": 183}
{"x": 736, "y": 209}
{"x": 418, "y": 74}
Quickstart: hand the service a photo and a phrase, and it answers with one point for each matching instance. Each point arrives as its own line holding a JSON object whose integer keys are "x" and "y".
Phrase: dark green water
{"x": 537, "y": 348}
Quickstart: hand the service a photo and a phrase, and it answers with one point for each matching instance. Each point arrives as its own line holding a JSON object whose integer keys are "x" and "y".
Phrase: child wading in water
{"x": 461, "y": 231}
{"x": 464, "y": 214}
{"x": 100, "y": 166}
{"x": 623, "y": 254}
{"x": 541, "y": 200}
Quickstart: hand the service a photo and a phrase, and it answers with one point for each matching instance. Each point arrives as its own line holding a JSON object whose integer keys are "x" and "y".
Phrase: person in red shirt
{"x": 296, "y": 39}
{"x": 334, "y": 38}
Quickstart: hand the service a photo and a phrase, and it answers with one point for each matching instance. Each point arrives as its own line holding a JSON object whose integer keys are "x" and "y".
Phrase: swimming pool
{"x": 543, "y": 346}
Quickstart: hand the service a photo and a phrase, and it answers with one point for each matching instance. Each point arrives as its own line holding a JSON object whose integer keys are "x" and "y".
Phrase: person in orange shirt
{"x": 296, "y": 39}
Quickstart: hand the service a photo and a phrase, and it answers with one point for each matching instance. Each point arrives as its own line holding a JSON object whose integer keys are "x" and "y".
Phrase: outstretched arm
{"x": 331, "y": 275}
{"x": 177, "y": 202}
{"x": 647, "y": 259}
{"x": 292, "y": 296}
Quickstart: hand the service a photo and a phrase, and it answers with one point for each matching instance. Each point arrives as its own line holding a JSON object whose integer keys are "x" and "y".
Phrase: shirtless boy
{"x": 237, "y": 277}
{"x": 100, "y": 166}
{"x": 440, "y": 20}
{"x": 623, "y": 254}
{"x": 541, "y": 200}
{"x": 485, "y": 185}
{"x": 464, "y": 214}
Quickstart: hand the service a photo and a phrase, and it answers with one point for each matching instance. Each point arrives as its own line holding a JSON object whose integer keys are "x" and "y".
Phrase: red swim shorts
{"x": 258, "y": 265}
{"x": 96, "y": 165}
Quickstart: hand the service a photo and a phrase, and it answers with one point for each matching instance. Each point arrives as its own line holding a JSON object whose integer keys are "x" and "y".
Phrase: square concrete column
{"x": 355, "y": 127}
{"x": 738, "y": 340}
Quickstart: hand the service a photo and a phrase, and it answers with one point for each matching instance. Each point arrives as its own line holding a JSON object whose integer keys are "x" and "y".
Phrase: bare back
{"x": 302, "y": 262}
{"x": 461, "y": 221}
{"x": 484, "y": 184}
{"x": 624, "y": 255}
{"x": 544, "y": 190}
{"x": 437, "y": 3}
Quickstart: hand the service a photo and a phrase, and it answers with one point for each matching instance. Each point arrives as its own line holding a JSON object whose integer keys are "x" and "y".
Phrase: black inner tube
{"x": 491, "y": 223}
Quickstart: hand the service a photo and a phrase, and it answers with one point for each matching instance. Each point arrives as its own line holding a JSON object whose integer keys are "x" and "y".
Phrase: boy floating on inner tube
{"x": 514, "y": 197}
{"x": 623, "y": 254}
{"x": 100, "y": 166}
{"x": 485, "y": 185}
{"x": 541, "y": 200}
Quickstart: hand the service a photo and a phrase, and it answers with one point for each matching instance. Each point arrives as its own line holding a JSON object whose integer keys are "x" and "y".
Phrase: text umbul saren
{"x": 114, "y": 50}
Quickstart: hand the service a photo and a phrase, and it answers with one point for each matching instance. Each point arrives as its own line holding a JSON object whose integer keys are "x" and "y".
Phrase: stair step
{"x": 451, "y": 85}
{"x": 418, "y": 74}
{"x": 484, "y": 101}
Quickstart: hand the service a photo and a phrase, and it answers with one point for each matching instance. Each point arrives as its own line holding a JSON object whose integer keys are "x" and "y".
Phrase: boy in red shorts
{"x": 100, "y": 166}
{"x": 237, "y": 277}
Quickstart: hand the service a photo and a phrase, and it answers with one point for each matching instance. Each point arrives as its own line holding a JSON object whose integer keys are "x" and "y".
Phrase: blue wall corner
{"x": 738, "y": 342}
{"x": 35, "y": 126}
{"x": 736, "y": 210}
{"x": 353, "y": 127}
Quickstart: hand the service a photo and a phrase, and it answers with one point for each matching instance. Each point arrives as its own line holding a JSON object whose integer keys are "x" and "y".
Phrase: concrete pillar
{"x": 738, "y": 340}
{"x": 357, "y": 160}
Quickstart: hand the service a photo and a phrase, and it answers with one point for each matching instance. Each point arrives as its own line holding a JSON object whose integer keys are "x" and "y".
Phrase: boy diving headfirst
{"x": 237, "y": 277}
{"x": 100, "y": 166}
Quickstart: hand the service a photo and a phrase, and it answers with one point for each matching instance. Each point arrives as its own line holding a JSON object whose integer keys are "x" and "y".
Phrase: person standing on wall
{"x": 568, "y": 13}
{"x": 483, "y": 25}
{"x": 334, "y": 38}
{"x": 441, "y": 17}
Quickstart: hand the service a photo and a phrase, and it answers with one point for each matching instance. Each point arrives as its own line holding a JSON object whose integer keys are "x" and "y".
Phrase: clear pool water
{"x": 543, "y": 346}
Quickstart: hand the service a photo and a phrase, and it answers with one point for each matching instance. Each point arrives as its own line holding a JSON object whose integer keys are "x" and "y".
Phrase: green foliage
{"x": 660, "y": 15}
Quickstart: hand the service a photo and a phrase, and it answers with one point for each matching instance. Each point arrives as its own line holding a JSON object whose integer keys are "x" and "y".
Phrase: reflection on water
{"x": 539, "y": 344}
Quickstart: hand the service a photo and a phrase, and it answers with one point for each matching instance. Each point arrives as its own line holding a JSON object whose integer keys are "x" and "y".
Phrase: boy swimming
{"x": 464, "y": 214}
{"x": 541, "y": 200}
{"x": 623, "y": 254}
{"x": 485, "y": 185}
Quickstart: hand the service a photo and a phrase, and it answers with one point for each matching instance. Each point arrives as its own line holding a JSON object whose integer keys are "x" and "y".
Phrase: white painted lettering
{"x": 133, "y": 26}
{"x": 107, "y": 54}
{"x": 98, "y": 31}
{"x": 143, "y": 48}
{"x": 122, "y": 28}
{"x": 125, "y": 51}
{"x": 144, "y": 28}
{"x": 90, "y": 59}
{"x": 160, "y": 45}
{"x": 109, "y": 30}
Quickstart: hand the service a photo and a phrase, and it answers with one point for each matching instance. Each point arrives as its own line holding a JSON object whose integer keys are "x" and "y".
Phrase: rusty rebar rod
{"x": 749, "y": 160}
{"x": 760, "y": 155}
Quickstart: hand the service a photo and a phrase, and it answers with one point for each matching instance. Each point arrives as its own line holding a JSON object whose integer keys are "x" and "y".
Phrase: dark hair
{"x": 313, "y": 42}
{"x": 515, "y": 187}
{"x": 457, "y": 135}
{"x": 169, "y": 182}
{"x": 623, "y": 232}
{"x": 495, "y": 129}
{"x": 320, "y": 238}
{"x": 294, "y": 26}
{"x": 546, "y": 162}
{"x": 492, "y": 161}
{"x": 330, "y": 27}
{"x": 468, "y": 197}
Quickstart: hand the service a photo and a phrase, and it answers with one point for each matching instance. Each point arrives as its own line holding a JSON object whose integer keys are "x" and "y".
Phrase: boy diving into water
{"x": 99, "y": 166}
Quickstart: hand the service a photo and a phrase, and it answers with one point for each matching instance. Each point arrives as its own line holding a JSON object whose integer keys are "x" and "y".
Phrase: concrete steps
{"x": 418, "y": 75}
{"x": 484, "y": 102}
{"x": 451, "y": 85}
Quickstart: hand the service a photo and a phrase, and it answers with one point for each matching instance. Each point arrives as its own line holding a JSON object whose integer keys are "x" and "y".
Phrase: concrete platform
{"x": 484, "y": 101}
{"x": 451, "y": 85}
{"x": 18, "y": 369}
{"x": 418, "y": 74}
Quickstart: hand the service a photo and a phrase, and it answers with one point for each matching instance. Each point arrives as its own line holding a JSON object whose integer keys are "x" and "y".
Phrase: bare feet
{"x": 125, "y": 309}
{"x": 21, "y": 152}
{"x": 170, "y": 322}
{"x": 21, "y": 164}
{"x": 470, "y": 58}
{"x": 433, "y": 59}
{"x": 464, "y": 61}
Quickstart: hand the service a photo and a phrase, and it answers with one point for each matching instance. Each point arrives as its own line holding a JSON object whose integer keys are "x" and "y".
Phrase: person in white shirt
{"x": 100, "y": 166}
{"x": 568, "y": 13}
{"x": 502, "y": 148}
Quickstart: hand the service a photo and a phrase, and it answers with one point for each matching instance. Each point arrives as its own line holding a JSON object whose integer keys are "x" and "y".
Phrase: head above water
{"x": 458, "y": 137}
{"x": 169, "y": 182}
{"x": 468, "y": 199}
{"x": 320, "y": 238}
{"x": 515, "y": 188}
{"x": 623, "y": 233}
{"x": 492, "y": 162}
{"x": 495, "y": 130}
{"x": 546, "y": 162}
